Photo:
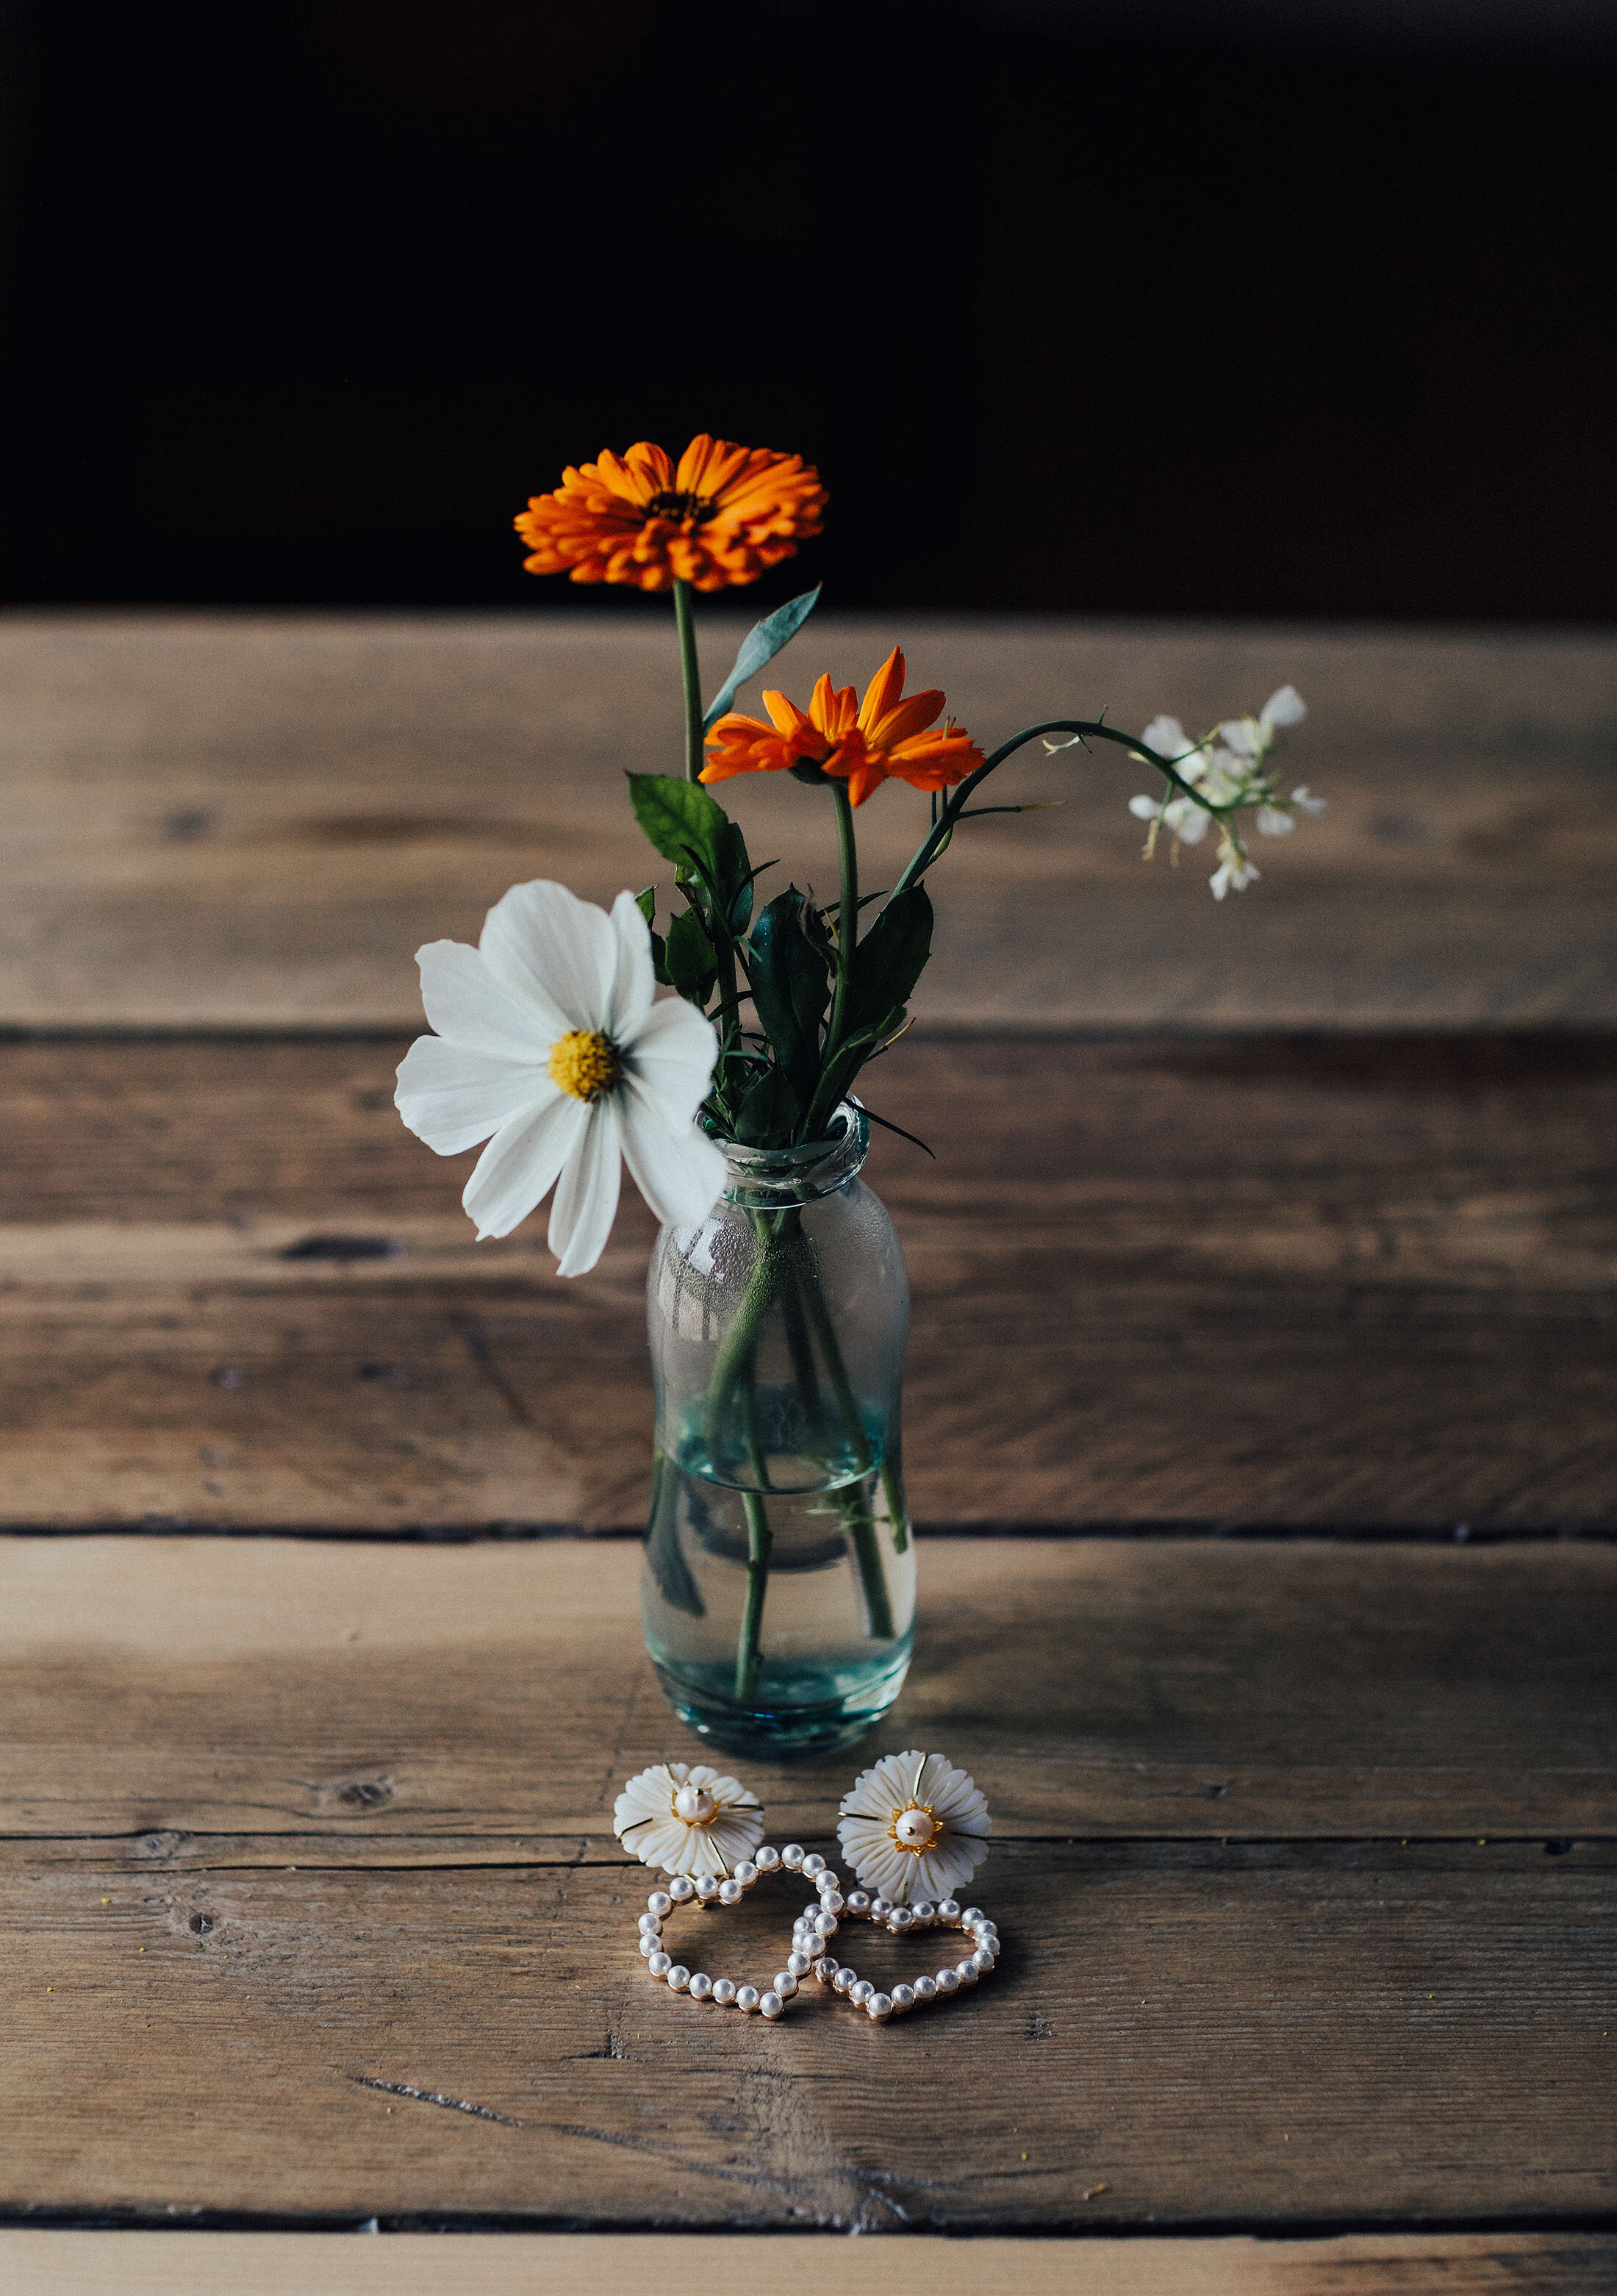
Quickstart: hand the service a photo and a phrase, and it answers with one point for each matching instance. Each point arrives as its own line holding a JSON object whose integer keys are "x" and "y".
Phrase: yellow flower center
{"x": 585, "y": 1063}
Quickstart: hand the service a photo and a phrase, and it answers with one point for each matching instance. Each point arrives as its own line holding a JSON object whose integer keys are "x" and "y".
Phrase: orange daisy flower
{"x": 720, "y": 518}
{"x": 866, "y": 743}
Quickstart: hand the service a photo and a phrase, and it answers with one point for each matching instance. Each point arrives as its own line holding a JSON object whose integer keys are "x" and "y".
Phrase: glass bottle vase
{"x": 779, "y": 1587}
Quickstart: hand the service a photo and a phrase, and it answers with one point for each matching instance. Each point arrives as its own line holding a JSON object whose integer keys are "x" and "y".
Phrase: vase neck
{"x": 768, "y": 1179}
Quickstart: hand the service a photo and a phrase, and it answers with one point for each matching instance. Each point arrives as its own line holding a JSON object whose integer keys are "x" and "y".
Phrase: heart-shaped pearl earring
{"x": 706, "y": 1832}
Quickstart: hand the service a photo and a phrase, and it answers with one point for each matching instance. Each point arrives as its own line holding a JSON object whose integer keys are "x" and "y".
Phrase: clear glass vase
{"x": 779, "y": 1587}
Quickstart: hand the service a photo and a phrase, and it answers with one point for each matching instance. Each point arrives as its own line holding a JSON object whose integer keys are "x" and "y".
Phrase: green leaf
{"x": 734, "y": 874}
{"x": 762, "y": 644}
{"x": 839, "y": 1073}
{"x": 768, "y": 1114}
{"x": 692, "y": 964}
{"x": 791, "y": 988}
{"x": 646, "y": 903}
{"x": 890, "y": 960}
{"x": 680, "y": 818}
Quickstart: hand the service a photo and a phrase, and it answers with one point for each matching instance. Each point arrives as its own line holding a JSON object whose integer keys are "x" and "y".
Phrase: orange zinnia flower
{"x": 720, "y": 518}
{"x": 864, "y": 742}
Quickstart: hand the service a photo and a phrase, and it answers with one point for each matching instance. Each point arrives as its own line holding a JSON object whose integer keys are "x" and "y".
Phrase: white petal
{"x": 1273, "y": 823}
{"x": 955, "y": 1799}
{"x": 1166, "y": 736}
{"x": 586, "y": 1195}
{"x": 736, "y": 1836}
{"x": 519, "y": 1164}
{"x": 1193, "y": 828}
{"x": 1284, "y": 707}
{"x": 1220, "y": 881}
{"x": 672, "y": 1051}
{"x": 1242, "y": 735}
{"x": 884, "y": 1787}
{"x": 452, "y": 1098}
{"x": 470, "y": 1006}
{"x": 1143, "y": 808}
{"x": 678, "y": 1169}
{"x": 633, "y": 977}
{"x": 953, "y": 1860}
{"x": 547, "y": 945}
{"x": 1304, "y": 803}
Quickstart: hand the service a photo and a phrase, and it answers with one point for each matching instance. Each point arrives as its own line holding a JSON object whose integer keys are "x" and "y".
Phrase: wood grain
{"x": 624, "y": 2263}
{"x": 255, "y": 820}
{"x": 160, "y": 1689}
{"x": 1189, "y": 2034}
{"x": 1297, "y": 1281}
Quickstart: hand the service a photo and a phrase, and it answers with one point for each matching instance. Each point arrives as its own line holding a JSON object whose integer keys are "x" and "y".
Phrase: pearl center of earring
{"x": 914, "y": 1828}
{"x": 695, "y": 1805}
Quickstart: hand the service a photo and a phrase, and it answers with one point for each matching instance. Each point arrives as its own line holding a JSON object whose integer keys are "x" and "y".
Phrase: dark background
{"x": 1299, "y": 310}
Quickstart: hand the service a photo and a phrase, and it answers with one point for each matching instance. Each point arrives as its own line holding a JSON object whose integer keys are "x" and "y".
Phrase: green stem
{"x": 685, "y": 623}
{"x": 861, "y": 1530}
{"x": 937, "y": 837}
{"x": 847, "y": 919}
{"x": 760, "y": 1539}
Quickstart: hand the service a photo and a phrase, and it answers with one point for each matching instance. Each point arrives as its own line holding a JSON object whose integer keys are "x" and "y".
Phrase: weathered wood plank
{"x": 1194, "y": 1689}
{"x": 256, "y": 819}
{"x": 624, "y": 2264}
{"x": 1196, "y": 2035}
{"x": 1337, "y": 1282}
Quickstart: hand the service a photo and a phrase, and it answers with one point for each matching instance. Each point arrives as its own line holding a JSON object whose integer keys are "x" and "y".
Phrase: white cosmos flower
{"x": 550, "y": 1047}
{"x": 687, "y": 1819}
{"x": 913, "y": 1827}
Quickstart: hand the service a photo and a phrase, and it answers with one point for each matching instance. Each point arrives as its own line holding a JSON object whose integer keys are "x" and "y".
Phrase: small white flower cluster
{"x": 1227, "y": 768}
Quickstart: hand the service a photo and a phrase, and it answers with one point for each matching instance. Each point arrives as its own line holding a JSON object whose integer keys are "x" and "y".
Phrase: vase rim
{"x": 799, "y": 1173}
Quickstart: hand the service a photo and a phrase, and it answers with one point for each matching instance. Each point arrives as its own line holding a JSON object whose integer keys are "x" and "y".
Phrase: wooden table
{"x": 1261, "y": 1431}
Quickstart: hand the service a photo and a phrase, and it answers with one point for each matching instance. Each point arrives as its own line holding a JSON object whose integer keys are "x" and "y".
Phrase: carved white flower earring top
{"x": 913, "y": 1827}
{"x": 688, "y": 1818}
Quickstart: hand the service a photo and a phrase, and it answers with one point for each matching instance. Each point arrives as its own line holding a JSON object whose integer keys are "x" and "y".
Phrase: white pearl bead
{"x": 841, "y": 1979}
{"x": 858, "y": 1901}
{"x": 831, "y": 1901}
{"x": 701, "y": 1986}
{"x": 791, "y": 1857}
{"x": 770, "y": 2004}
{"x": 949, "y": 1981}
{"x": 925, "y": 1911}
{"x": 982, "y": 1962}
{"x": 730, "y": 1892}
{"x": 648, "y": 1946}
{"x": 967, "y": 1975}
{"x": 723, "y": 1991}
{"x": 990, "y": 1947}
{"x": 986, "y": 1928}
{"x": 810, "y": 1910}
{"x": 914, "y": 1828}
{"x": 659, "y": 1963}
{"x": 900, "y": 1919}
{"x": 879, "y": 2006}
{"x": 813, "y": 1864}
{"x": 694, "y": 1804}
{"x": 660, "y": 1903}
{"x": 766, "y": 1860}
{"x": 649, "y": 1926}
{"x": 678, "y": 1978}
{"x": 880, "y": 1908}
{"x": 825, "y": 1924}
{"x": 948, "y": 1909}
{"x": 860, "y": 1991}
{"x": 681, "y": 1889}
{"x": 798, "y": 1963}
{"x": 904, "y": 1997}
{"x": 786, "y": 1983}
{"x": 746, "y": 1872}
{"x": 706, "y": 1886}
{"x": 747, "y": 1996}
{"x": 825, "y": 1968}
{"x": 926, "y": 1988}
{"x": 972, "y": 1915}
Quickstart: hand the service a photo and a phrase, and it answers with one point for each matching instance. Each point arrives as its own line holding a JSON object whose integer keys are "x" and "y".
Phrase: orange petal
{"x": 883, "y": 691}
{"x": 914, "y": 713}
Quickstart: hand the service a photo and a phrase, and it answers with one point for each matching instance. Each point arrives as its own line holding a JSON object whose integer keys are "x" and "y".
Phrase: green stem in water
{"x": 760, "y": 1539}
{"x": 685, "y": 623}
